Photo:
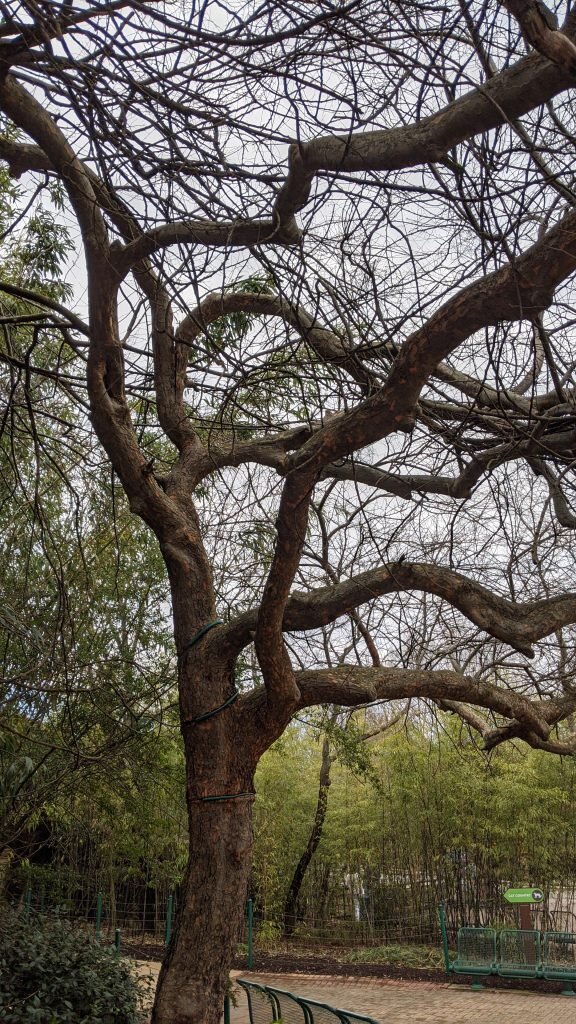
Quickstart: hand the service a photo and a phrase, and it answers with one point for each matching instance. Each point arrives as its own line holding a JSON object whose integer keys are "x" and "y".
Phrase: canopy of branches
{"x": 329, "y": 258}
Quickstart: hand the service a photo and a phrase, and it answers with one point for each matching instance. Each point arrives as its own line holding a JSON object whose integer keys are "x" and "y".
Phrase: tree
{"x": 410, "y": 368}
{"x": 350, "y": 741}
{"x": 86, "y": 670}
{"x": 69, "y": 614}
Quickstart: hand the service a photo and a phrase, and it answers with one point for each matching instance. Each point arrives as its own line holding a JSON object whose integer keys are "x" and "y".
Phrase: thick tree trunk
{"x": 220, "y": 764}
{"x": 224, "y": 735}
{"x": 192, "y": 983}
{"x": 220, "y": 768}
{"x": 221, "y": 754}
{"x": 221, "y": 751}
{"x": 291, "y": 904}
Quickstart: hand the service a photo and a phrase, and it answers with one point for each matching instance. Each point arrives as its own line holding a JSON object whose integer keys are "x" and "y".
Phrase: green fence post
{"x": 99, "y": 915}
{"x": 117, "y": 940}
{"x": 250, "y": 913}
{"x": 169, "y": 907}
{"x": 444, "y": 934}
{"x": 226, "y": 1010}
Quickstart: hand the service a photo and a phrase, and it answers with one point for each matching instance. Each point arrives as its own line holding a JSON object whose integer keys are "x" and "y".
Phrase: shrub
{"x": 53, "y": 974}
{"x": 269, "y": 935}
{"x": 400, "y": 956}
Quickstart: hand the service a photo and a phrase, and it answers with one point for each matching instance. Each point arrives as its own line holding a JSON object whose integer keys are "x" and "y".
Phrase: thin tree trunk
{"x": 291, "y": 904}
{"x": 113, "y": 918}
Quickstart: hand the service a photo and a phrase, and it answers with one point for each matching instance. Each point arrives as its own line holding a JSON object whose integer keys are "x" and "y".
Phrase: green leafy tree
{"x": 84, "y": 653}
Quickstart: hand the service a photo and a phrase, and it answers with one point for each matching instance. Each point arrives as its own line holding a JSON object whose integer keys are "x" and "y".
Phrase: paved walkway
{"x": 414, "y": 1002}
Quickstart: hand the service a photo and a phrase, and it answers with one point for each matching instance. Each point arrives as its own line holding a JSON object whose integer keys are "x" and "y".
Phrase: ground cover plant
{"x": 402, "y": 956}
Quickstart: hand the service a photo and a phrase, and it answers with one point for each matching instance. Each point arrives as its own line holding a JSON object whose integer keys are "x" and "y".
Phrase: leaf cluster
{"x": 51, "y": 973}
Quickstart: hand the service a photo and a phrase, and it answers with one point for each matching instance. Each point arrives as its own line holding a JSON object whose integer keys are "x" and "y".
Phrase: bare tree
{"x": 401, "y": 302}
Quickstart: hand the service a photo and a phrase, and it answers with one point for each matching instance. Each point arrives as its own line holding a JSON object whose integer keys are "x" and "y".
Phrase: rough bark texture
{"x": 192, "y": 982}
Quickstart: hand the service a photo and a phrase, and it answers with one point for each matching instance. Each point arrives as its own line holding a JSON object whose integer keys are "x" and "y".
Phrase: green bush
{"x": 51, "y": 973}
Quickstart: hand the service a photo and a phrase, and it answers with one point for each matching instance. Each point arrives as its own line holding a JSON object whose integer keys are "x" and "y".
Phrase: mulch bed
{"x": 289, "y": 963}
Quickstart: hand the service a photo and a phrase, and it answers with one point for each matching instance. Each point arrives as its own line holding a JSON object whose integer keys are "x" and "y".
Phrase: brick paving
{"x": 411, "y": 1002}
{"x": 414, "y": 1002}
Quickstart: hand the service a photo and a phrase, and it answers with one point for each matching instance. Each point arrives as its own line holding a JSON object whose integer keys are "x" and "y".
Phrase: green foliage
{"x": 86, "y": 662}
{"x": 286, "y": 784}
{"x": 35, "y": 256}
{"x": 351, "y": 751}
{"x": 86, "y": 653}
{"x": 444, "y": 821}
{"x": 402, "y": 956}
{"x": 54, "y": 975}
{"x": 269, "y": 934}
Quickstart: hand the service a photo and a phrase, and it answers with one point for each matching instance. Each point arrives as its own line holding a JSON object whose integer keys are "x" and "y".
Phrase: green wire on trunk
{"x": 230, "y": 700}
{"x": 198, "y": 636}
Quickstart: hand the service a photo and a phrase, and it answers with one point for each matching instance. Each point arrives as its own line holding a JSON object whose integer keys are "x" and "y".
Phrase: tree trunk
{"x": 291, "y": 904}
{"x": 192, "y": 982}
{"x": 220, "y": 764}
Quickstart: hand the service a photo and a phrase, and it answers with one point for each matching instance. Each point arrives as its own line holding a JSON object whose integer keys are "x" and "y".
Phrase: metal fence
{"x": 376, "y": 916}
{"x": 142, "y": 914}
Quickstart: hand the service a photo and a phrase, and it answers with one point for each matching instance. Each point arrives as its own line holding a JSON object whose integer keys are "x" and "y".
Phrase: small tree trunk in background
{"x": 5, "y": 859}
{"x": 113, "y": 917}
{"x": 291, "y": 904}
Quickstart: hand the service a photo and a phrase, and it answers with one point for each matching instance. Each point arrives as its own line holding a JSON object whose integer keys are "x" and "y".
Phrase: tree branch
{"x": 212, "y": 234}
{"x": 527, "y": 84}
{"x": 349, "y": 685}
{"x": 328, "y": 345}
{"x": 515, "y": 292}
{"x": 564, "y": 514}
{"x": 45, "y": 302}
{"x": 273, "y": 657}
{"x": 517, "y": 624}
{"x": 540, "y": 27}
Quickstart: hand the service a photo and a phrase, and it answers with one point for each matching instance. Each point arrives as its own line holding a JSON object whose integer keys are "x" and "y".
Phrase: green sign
{"x": 524, "y": 895}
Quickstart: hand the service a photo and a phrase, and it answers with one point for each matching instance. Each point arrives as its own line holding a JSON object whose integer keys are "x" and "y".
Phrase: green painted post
{"x": 99, "y": 903}
{"x": 250, "y": 912}
{"x": 444, "y": 934}
{"x": 117, "y": 940}
{"x": 226, "y": 1010}
{"x": 169, "y": 906}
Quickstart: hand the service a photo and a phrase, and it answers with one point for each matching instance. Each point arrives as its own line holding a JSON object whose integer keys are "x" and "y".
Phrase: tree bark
{"x": 219, "y": 785}
{"x": 192, "y": 982}
{"x": 291, "y": 904}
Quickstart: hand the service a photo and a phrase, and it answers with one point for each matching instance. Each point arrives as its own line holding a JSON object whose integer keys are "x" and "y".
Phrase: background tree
{"x": 83, "y": 654}
{"x": 348, "y": 740}
{"x": 414, "y": 347}
{"x": 436, "y": 819}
